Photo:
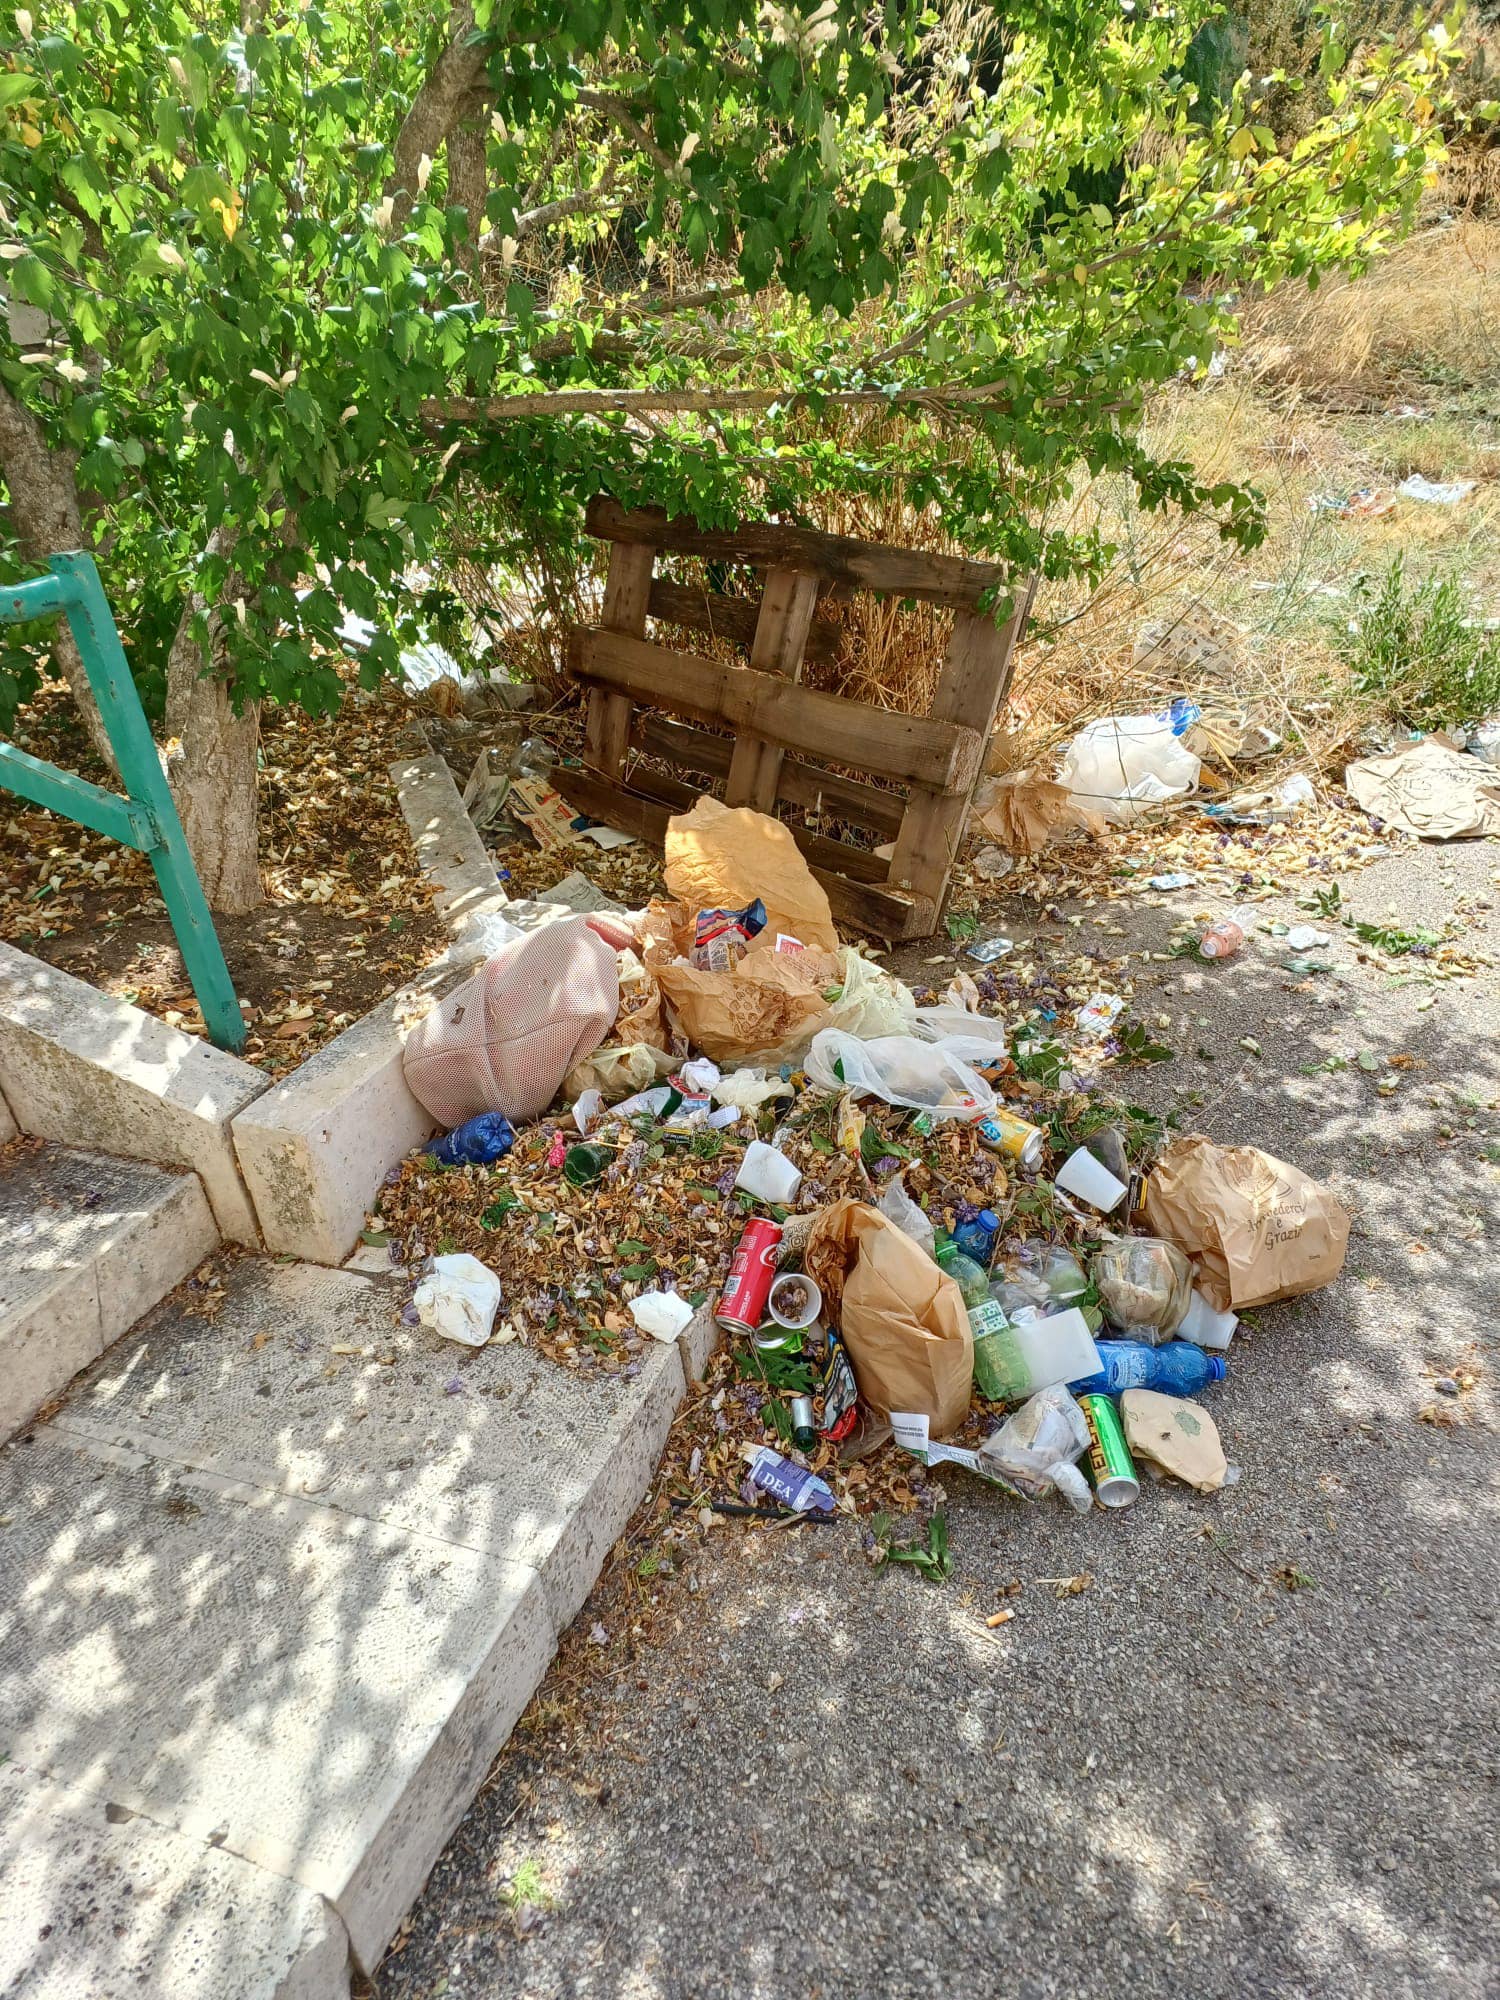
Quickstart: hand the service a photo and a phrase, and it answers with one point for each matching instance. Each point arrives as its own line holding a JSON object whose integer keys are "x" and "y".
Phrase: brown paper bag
{"x": 1024, "y": 811}
{"x": 722, "y": 857}
{"x": 769, "y": 1005}
{"x": 1255, "y": 1228}
{"x": 903, "y": 1320}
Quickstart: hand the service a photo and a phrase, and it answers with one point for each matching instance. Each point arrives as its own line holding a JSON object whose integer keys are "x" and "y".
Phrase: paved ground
{"x": 1197, "y": 1777}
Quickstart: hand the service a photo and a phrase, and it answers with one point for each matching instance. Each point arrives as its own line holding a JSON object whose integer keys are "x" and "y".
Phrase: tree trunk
{"x": 44, "y": 508}
{"x": 211, "y": 766}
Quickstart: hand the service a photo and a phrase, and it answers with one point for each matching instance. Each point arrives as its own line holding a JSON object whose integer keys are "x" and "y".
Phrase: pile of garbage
{"x": 922, "y": 1227}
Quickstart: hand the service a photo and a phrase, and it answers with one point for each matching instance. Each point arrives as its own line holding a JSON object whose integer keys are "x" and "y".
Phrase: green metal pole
{"x": 93, "y": 627}
{"x": 146, "y": 818}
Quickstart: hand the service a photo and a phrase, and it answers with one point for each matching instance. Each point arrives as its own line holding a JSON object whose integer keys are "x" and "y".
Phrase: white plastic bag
{"x": 946, "y": 1022}
{"x": 873, "y": 1002}
{"x": 901, "y": 1070}
{"x": 1038, "y": 1446}
{"x": 458, "y": 1299}
{"x": 1124, "y": 763}
{"x": 897, "y": 1205}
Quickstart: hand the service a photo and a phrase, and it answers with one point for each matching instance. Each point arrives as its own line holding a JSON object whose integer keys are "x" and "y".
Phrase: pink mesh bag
{"x": 505, "y": 1039}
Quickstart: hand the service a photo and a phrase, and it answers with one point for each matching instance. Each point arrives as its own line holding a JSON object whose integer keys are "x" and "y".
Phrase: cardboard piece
{"x": 1177, "y": 1435}
{"x": 721, "y": 857}
{"x": 1256, "y": 1228}
{"x": 1023, "y": 812}
{"x": 1429, "y": 789}
{"x": 544, "y": 812}
{"x": 902, "y": 1319}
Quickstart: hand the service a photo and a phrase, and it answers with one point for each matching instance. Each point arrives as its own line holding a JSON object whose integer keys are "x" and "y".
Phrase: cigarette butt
{"x": 1000, "y": 1618}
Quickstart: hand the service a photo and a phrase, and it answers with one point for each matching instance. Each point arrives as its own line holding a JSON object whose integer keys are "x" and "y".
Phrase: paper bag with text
{"x": 1255, "y": 1228}
{"x": 902, "y": 1319}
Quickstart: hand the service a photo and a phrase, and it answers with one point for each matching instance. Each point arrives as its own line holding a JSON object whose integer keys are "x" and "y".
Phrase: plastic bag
{"x": 1125, "y": 763}
{"x": 1039, "y": 1446}
{"x": 617, "y": 1073}
{"x": 873, "y": 1002}
{"x": 1145, "y": 1286}
{"x": 458, "y": 1299}
{"x": 897, "y": 1205}
{"x": 948, "y": 1022}
{"x": 900, "y": 1070}
{"x": 748, "y": 1089}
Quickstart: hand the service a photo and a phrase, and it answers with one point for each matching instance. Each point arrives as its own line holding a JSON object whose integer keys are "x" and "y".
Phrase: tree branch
{"x": 620, "y": 113}
{"x": 435, "y": 110}
{"x": 705, "y": 402}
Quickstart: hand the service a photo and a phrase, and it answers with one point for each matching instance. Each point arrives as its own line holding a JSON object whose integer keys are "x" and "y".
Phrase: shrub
{"x": 1420, "y": 649}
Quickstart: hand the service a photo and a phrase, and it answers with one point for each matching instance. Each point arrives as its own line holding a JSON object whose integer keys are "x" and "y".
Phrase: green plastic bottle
{"x": 998, "y": 1367}
{"x": 971, "y": 1279}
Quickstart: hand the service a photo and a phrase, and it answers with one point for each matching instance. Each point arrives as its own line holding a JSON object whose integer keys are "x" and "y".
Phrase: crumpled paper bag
{"x": 768, "y": 1007}
{"x": 1429, "y": 789}
{"x": 1256, "y": 1228}
{"x": 902, "y": 1319}
{"x": 720, "y": 857}
{"x": 1023, "y": 811}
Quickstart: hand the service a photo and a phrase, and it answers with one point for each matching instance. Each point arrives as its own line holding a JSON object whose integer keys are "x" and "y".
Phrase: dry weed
{"x": 1427, "y": 313}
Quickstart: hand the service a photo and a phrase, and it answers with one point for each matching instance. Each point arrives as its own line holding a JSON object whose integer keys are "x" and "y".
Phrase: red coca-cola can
{"x": 743, "y": 1304}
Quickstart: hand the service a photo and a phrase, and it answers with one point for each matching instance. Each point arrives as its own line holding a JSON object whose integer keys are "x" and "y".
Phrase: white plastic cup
{"x": 767, "y": 1174}
{"x": 1092, "y": 1182}
{"x": 808, "y": 1313}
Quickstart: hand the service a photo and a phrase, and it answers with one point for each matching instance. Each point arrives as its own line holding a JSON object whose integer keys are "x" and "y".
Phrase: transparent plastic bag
{"x": 1039, "y": 1445}
{"x": 900, "y": 1070}
{"x": 872, "y": 1001}
{"x": 897, "y": 1205}
{"x": 1145, "y": 1286}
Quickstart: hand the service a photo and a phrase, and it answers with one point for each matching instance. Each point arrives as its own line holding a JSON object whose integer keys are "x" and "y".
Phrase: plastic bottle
{"x": 976, "y": 1238}
{"x": 1222, "y": 939}
{"x": 532, "y": 758}
{"x": 1178, "y": 1368}
{"x": 475, "y": 1143}
{"x": 971, "y": 1279}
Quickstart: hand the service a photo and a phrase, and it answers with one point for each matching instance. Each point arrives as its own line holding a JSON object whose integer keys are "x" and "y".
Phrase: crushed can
{"x": 742, "y": 1304}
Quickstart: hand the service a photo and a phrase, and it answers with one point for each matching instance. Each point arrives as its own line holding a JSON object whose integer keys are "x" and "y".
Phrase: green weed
{"x": 1417, "y": 647}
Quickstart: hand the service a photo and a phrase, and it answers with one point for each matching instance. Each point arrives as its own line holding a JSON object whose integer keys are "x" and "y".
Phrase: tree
{"x": 310, "y": 276}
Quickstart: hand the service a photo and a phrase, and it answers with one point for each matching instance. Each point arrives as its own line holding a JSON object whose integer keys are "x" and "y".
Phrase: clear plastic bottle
{"x": 1177, "y": 1368}
{"x": 532, "y": 758}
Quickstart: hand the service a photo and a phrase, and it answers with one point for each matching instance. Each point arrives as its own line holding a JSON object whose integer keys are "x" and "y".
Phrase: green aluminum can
{"x": 1111, "y": 1468}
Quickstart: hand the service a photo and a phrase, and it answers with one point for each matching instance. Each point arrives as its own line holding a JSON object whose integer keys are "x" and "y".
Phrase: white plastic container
{"x": 767, "y": 1174}
{"x": 1205, "y": 1326}
{"x": 1033, "y": 1354}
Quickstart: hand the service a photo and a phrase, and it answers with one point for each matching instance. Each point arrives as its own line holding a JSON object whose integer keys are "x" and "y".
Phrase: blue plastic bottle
{"x": 475, "y": 1143}
{"x": 1177, "y": 1368}
{"x": 976, "y": 1238}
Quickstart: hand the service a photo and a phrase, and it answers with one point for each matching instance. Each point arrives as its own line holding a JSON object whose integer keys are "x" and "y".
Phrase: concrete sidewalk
{"x": 1254, "y": 1755}
{"x": 276, "y": 1580}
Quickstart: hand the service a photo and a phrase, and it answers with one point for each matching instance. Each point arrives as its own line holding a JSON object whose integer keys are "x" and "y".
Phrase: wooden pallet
{"x": 785, "y": 735}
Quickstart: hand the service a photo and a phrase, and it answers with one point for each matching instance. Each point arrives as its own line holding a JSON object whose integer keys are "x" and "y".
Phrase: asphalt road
{"x": 1254, "y": 1755}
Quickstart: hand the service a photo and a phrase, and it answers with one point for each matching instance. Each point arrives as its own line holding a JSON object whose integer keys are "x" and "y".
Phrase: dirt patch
{"x": 347, "y": 917}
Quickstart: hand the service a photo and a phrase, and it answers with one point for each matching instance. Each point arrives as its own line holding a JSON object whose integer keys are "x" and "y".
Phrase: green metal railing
{"x": 145, "y": 818}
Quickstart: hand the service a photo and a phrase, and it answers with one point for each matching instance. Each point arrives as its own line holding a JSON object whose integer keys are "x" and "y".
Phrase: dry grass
{"x": 1428, "y": 313}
